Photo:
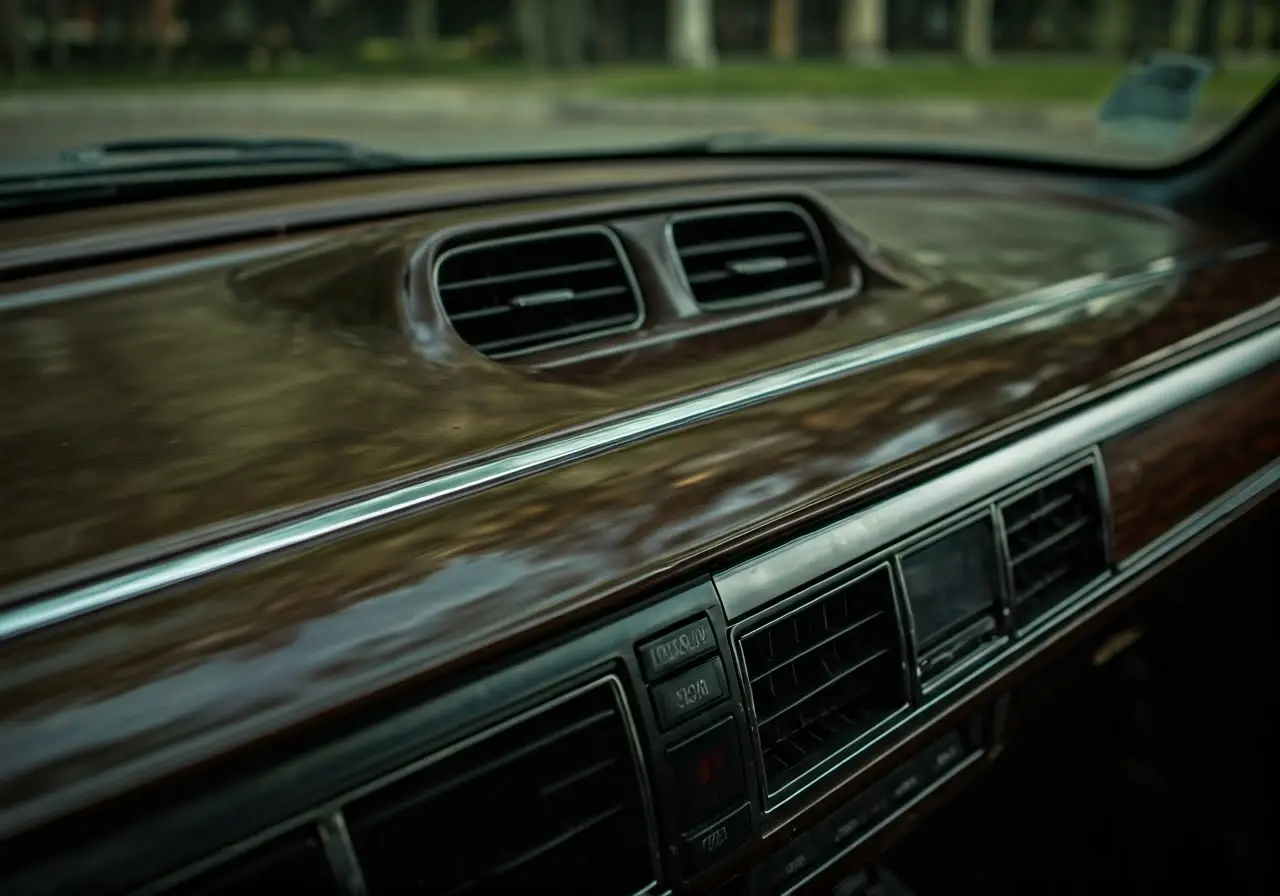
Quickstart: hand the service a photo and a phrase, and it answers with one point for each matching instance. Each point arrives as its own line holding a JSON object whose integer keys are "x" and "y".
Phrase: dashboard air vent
{"x": 1055, "y": 542}
{"x": 750, "y": 254}
{"x": 547, "y": 801}
{"x": 825, "y": 674}
{"x": 511, "y": 296}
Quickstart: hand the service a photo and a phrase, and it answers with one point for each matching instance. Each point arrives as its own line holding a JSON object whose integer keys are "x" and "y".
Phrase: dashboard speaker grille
{"x": 824, "y": 674}
{"x": 741, "y": 256}
{"x": 549, "y": 801}
{"x": 1055, "y": 542}
{"x": 508, "y": 297}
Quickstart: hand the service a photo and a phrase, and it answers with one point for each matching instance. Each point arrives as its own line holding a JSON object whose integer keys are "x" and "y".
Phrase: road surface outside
{"x": 435, "y": 122}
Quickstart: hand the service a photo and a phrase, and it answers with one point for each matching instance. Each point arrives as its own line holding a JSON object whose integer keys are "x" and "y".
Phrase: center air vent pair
{"x": 539, "y": 291}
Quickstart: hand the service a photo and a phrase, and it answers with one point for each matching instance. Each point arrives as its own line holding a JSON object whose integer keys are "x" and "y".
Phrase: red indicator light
{"x": 711, "y": 766}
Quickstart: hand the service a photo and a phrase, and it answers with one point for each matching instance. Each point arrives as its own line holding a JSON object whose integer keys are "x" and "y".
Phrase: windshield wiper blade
{"x": 160, "y": 166}
{"x": 215, "y": 150}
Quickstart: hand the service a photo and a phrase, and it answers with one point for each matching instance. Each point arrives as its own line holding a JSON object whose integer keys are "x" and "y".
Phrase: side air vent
{"x": 507, "y": 297}
{"x": 825, "y": 674}
{"x": 545, "y": 802}
{"x": 740, "y": 256}
{"x": 1055, "y": 542}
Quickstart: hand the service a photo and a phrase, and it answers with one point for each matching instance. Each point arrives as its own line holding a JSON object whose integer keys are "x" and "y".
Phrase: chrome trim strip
{"x": 753, "y": 584}
{"x": 95, "y": 285}
{"x": 341, "y": 854}
{"x": 95, "y": 596}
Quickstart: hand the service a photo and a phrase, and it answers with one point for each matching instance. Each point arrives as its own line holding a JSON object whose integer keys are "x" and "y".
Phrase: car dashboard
{"x": 630, "y": 528}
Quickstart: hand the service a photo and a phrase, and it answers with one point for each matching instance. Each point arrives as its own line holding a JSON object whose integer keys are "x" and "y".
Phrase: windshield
{"x": 97, "y": 83}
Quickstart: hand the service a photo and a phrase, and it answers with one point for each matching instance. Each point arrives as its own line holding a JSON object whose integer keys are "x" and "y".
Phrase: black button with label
{"x": 704, "y": 848}
{"x": 706, "y": 774}
{"x": 847, "y": 824}
{"x": 675, "y": 648}
{"x": 906, "y": 783}
{"x": 688, "y": 694}
{"x": 944, "y": 755}
{"x": 793, "y": 862}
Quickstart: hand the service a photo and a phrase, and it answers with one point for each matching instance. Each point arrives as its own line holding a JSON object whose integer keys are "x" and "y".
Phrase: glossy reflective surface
{"x": 227, "y": 393}
{"x": 1163, "y": 473}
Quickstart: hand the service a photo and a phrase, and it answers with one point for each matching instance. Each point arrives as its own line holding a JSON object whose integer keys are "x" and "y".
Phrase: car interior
{"x": 739, "y": 521}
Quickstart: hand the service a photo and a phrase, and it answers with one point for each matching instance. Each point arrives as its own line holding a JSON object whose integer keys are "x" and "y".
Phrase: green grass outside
{"x": 1012, "y": 83}
{"x": 1027, "y": 83}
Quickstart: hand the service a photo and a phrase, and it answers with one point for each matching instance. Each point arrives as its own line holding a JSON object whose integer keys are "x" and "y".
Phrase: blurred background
{"x": 457, "y": 77}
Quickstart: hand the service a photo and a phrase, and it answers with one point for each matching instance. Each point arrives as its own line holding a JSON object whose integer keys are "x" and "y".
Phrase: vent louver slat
{"x": 549, "y": 801}
{"x": 740, "y": 256}
{"x": 1055, "y": 542}
{"x": 508, "y": 297}
{"x": 824, "y": 675}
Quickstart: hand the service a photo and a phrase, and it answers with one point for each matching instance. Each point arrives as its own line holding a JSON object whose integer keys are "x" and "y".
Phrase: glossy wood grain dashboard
{"x": 256, "y": 498}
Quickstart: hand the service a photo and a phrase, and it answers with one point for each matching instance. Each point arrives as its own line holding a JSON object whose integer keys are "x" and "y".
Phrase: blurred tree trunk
{"x": 421, "y": 26}
{"x": 784, "y": 29}
{"x": 1209, "y": 30}
{"x": 570, "y": 24}
{"x": 1231, "y": 20}
{"x": 133, "y": 20}
{"x": 553, "y": 32}
{"x": 53, "y": 12}
{"x": 862, "y": 31}
{"x": 1186, "y": 24}
{"x": 1269, "y": 26}
{"x": 531, "y": 21}
{"x": 1247, "y": 25}
{"x": 162, "y": 18}
{"x": 611, "y": 30}
{"x": 975, "y": 31}
{"x": 1111, "y": 26}
{"x": 15, "y": 37}
{"x": 691, "y": 33}
{"x": 1145, "y": 28}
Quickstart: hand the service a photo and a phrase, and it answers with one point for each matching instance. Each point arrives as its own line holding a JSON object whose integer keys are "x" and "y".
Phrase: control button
{"x": 857, "y": 884}
{"x": 688, "y": 694}
{"x": 792, "y": 863}
{"x": 704, "y": 848}
{"x": 877, "y": 802}
{"x": 847, "y": 824}
{"x": 688, "y": 642}
{"x": 944, "y": 755}
{"x": 906, "y": 783}
{"x": 706, "y": 774}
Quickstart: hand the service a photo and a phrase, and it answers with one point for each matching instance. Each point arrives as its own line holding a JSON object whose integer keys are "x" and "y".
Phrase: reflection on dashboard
{"x": 679, "y": 539}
